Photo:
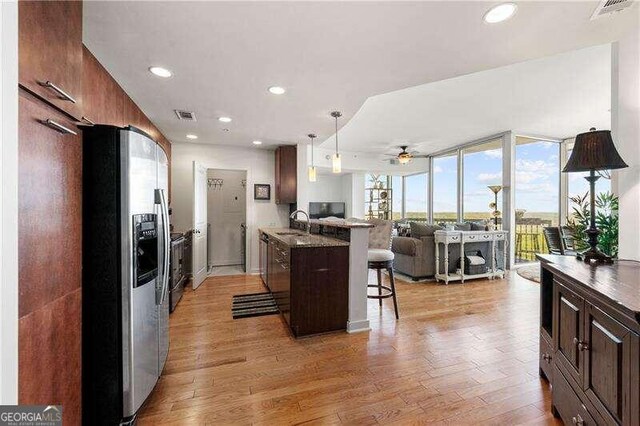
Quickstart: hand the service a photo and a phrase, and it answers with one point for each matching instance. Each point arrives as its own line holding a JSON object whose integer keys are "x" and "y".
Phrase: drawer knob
{"x": 582, "y": 346}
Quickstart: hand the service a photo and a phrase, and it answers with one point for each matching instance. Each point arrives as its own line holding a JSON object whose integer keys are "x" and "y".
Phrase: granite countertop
{"x": 295, "y": 238}
{"x": 340, "y": 223}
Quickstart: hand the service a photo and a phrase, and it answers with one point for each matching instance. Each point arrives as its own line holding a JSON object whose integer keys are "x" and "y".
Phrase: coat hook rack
{"x": 215, "y": 183}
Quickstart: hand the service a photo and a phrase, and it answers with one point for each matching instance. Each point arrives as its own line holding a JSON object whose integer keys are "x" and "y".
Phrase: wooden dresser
{"x": 590, "y": 339}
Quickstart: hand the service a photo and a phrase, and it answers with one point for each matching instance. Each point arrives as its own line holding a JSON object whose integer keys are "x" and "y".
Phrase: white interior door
{"x": 199, "y": 239}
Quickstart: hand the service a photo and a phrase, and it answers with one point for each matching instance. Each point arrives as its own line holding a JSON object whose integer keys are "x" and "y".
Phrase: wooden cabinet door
{"x": 286, "y": 175}
{"x": 607, "y": 368}
{"x": 103, "y": 99}
{"x": 568, "y": 329}
{"x": 50, "y": 52}
{"x": 271, "y": 270}
{"x": 285, "y": 290}
{"x": 135, "y": 117}
{"x": 50, "y": 257}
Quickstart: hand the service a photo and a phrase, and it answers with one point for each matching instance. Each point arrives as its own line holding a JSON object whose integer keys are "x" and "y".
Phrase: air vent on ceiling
{"x": 185, "y": 115}
{"x": 610, "y": 6}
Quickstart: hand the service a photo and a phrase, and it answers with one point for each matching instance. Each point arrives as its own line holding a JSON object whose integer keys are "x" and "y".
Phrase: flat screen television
{"x": 321, "y": 210}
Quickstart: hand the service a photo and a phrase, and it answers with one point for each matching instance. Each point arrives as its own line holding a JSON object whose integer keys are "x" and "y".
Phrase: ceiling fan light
{"x": 404, "y": 158}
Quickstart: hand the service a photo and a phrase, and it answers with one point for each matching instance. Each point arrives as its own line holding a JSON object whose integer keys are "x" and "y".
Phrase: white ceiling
{"x": 329, "y": 55}
{"x": 557, "y": 97}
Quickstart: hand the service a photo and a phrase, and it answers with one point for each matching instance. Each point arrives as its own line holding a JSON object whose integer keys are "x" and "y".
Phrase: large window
{"x": 482, "y": 166}
{"x": 445, "y": 188}
{"x": 416, "y": 195}
{"x": 537, "y": 194}
{"x": 396, "y": 206}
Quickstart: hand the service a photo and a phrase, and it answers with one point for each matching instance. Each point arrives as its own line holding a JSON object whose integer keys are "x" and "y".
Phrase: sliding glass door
{"x": 537, "y": 195}
{"x": 482, "y": 167}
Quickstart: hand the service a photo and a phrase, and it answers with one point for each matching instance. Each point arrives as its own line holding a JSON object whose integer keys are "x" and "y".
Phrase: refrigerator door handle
{"x": 164, "y": 210}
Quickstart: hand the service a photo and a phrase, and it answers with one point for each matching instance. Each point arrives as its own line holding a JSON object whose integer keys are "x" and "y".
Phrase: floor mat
{"x": 253, "y": 305}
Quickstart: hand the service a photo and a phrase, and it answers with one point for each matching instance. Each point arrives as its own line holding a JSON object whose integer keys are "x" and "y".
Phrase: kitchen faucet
{"x": 295, "y": 213}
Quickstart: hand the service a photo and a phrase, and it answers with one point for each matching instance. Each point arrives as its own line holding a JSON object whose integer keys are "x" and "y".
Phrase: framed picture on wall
{"x": 261, "y": 191}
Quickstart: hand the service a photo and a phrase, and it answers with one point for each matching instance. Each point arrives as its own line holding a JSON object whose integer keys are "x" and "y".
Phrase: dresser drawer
{"x": 546, "y": 358}
{"x": 476, "y": 237}
{"x": 499, "y": 236}
{"x": 568, "y": 404}
{"x": 453, "y": 238}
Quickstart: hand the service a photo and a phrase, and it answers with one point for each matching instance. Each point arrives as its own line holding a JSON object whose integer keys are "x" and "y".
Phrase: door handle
{"x": 57, "y": 126}
{"x": 160, "y": 199}
{"x": 87, "y": 120}
{"x": 64, "y": 95}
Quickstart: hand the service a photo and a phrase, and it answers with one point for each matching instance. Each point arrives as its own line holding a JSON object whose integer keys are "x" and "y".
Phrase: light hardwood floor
{"x": 460, "y": 354}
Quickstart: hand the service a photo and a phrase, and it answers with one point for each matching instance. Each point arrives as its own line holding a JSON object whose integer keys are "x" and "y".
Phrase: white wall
{"x": 226, "y": 211}
{"x": 353, "y": 191}
{"x": 327, "y": 188}
{"x": 259, "y": 165}
{"x": 9, "y": 203}
{"x": 625, "y": 126}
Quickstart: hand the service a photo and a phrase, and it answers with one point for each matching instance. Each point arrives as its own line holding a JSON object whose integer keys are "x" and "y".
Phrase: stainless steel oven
{"x": 177, "y": 270}
{"x": 264, "y": 264}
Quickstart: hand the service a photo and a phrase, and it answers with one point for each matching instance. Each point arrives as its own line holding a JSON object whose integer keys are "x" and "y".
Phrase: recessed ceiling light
{"x": 257, "y": 142}
{"x": 224, "y": 119}
{"x": 160, "y": 72}
{"x": 277, "y": 90}
{"x": 190, "y": 136}
{"x": 500, "y": 13}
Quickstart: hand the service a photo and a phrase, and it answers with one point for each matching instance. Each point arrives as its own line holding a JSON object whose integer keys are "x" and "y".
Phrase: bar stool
{"x": 379, "y": 257}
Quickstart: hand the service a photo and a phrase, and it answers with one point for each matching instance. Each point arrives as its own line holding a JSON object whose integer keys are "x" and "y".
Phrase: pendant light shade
{"x": 336, "y": 160}
{"x": 336, "y": 163}
{"x": 313, "y": 176}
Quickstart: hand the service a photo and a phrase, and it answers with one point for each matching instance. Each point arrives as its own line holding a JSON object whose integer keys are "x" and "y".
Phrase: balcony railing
{"x": 529, "y": 236}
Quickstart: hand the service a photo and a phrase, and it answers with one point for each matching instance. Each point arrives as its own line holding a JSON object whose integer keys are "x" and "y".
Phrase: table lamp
{"x": 593, "y": 151}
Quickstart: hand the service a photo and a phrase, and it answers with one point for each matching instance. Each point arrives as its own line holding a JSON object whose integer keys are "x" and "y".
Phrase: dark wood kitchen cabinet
{"x": 103, "y": 97}
{"x": 50, "y": 256}
{"x": 50, "y": 58}
{"x": 595, "y": 352}
{"x": 310, "y": 286}
{"x": 286, "y": 175}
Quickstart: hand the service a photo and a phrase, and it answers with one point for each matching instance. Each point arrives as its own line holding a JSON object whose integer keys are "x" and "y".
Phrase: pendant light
{"x": 337, "y": 164}
{"x": 312, "y": 168}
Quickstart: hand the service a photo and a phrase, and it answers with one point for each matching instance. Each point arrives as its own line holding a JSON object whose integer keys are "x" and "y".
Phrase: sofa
{"x": 415, "y": 254}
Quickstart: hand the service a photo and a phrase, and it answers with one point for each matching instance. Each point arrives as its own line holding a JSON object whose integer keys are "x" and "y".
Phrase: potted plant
{"x": 606, "y": 221}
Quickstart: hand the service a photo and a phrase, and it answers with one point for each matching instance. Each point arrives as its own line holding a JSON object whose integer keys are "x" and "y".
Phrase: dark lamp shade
{"x": 594, "y": 150}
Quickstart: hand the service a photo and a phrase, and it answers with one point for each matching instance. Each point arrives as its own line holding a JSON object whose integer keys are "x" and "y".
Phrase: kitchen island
{"x": 319, "y": 280}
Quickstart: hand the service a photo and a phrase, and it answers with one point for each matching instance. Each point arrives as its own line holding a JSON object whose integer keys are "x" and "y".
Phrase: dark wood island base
{"x": 590, "y": 339}
{"x": 308, "y": 276}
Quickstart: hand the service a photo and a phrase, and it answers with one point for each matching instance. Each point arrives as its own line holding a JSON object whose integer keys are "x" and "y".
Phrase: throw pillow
{"x": 465, "y": 226}
{"x": 423, "y": 229}
{"x": 477, "y": 226}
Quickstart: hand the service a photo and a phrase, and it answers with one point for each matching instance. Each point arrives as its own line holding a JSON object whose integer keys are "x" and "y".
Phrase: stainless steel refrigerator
{"x": 125, "y": 297}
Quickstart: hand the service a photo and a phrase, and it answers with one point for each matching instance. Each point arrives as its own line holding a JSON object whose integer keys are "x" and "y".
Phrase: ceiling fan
{"x": 404, "y": 157}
